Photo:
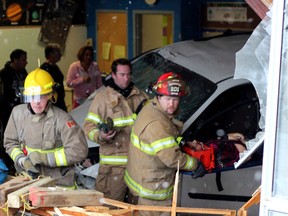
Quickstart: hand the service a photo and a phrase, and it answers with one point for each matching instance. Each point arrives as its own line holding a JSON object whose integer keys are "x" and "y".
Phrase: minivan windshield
{"x": 150, "y": 66}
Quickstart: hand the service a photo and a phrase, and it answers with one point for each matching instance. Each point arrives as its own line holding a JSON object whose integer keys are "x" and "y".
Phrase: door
{"x": 111, "y": 36}
{"x": 152, "y": 30}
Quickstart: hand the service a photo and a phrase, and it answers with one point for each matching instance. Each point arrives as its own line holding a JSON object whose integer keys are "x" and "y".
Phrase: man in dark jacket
{"x": 12, "y": 80}
{"x": 53, "y": 55}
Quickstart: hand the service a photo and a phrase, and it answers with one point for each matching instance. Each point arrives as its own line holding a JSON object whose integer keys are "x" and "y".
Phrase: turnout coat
{"x": 53, "y": 132}
{"x": 154, "y": 154}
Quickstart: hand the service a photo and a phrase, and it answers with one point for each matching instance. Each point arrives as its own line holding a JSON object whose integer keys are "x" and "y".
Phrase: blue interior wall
{"x": 186, "y": 16}
{"x": 130, "y": 6}
{"x": 190, "y": 19}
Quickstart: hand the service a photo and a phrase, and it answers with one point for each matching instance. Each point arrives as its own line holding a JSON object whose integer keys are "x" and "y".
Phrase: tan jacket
{"x": 154, "y": 154}
{"x": 55, "y": 133}
{"x": 110, "y": 103}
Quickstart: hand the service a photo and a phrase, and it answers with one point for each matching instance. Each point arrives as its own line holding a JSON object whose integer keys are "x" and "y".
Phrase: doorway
{"x": 111, "y": 34}
{"x": 152, "y": 30}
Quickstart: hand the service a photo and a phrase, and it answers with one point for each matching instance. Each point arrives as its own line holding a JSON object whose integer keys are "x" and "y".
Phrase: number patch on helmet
{"x": 175, "y": 89}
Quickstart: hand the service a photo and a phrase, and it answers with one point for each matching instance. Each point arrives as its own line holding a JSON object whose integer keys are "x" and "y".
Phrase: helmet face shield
{"x": 35, "y": 97}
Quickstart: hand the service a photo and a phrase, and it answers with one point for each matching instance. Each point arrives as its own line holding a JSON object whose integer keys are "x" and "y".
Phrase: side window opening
{"x": 236, "y": 110}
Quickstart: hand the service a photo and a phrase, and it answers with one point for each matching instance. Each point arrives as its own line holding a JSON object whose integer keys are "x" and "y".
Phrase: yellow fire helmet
{"x": 38, "y": 83}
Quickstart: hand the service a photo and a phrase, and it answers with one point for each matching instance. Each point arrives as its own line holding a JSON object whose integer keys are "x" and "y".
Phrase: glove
{"x": 106, "y": 127}
{"x": 38, "y": 158}
{"x": 199, "y": 171}
{"x": 27, "y": 165}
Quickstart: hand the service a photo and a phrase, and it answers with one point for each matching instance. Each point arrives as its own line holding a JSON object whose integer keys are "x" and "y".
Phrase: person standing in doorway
{"x": 12, "y": 81}
{"x": 109, "y": 122}
{"x": 53, "y": 55}
{"x": 83, "y": 76}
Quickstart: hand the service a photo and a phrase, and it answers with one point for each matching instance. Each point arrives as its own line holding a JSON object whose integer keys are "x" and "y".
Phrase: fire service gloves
{"x": 38, "y": 158}
{"x": 106, "y": 127}
{"x": 199, "y": 171}
{"x": 27, "y": 165}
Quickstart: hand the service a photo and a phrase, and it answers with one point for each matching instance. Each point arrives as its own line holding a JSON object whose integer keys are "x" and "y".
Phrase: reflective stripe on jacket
{"x": 148, "y": 193}
{"x": 154, "y": 154}
{"x": 54, "y": 132}
{"x": 110, "y": 103}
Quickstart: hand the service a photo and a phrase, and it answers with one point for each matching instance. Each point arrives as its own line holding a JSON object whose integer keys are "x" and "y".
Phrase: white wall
{"x": 26, "y": 38}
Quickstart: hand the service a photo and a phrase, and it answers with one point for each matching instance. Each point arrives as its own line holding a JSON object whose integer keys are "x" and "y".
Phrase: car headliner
{"x": 217, "y": 51}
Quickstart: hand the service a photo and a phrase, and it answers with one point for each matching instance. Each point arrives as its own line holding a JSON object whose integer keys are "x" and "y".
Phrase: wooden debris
{"x": 75, "y": 211}
{"x": 255, "y": 200}
{"x": 14, "y": 198}
{"x": 51, "y": 197}
{"x": 175, "y": 193}
{"x": 104, "y": 209}
{"x": 49, "y": 201}
{"x": 11, "y": 186}
{"x": 117, "y": 203}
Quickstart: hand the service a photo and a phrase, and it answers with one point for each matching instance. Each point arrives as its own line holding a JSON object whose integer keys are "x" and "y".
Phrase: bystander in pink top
{"x": 83, "y": 76}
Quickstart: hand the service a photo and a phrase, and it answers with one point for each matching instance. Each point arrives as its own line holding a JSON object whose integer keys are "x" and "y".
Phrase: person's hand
{"x": 199, "y": 171}
{"x": 38, "y": 158}
{"x": 195, "y": 145}
{"x": 27, "y": 165}
{"x": 107, "y": 136}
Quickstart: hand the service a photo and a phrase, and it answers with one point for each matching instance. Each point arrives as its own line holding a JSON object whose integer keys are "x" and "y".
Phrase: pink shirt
{"x": 75, "y": 80}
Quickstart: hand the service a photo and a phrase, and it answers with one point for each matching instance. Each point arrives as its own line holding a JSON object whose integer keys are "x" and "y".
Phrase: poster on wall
{"x": 32, "y": 12}
{"x": 21, "y": 12}
{"x": 223, "y": 16}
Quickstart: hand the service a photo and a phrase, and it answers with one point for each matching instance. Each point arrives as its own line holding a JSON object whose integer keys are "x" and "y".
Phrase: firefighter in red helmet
{"x": 170, "y": 84}
{"x": 154, "y": 152}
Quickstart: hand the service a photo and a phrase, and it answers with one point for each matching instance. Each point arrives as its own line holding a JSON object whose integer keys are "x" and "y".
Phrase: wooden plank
{"x": 41, "y": 212}
{"x": 13, "y": 185}
{"x": 117, "y": 203}
{"x": 259, "y": 7}
{"x": 175, "y": 192}
{"x": 255, "y": 199}
{"x": 267, "y": 3}
{"x": 122, "y": 212}
{"x": 94, "y": 210}
{"x": 97, "y": 208}
{"x": 14, "y": 198}
{"x": 51, "y": 197}
{"x": 104, "y": 209}
{"x": 76, "y": 211}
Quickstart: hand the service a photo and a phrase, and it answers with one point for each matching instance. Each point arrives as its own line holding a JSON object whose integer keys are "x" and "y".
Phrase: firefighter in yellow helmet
{"x": 41, "y": 138}
{"x": 154, "y": 152}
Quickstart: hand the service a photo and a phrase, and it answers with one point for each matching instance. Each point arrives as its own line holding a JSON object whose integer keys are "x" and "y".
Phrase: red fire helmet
{"x": 170, "y": 84}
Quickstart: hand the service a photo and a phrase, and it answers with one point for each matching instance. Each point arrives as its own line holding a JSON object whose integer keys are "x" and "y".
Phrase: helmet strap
{"x": 53, "y": 99}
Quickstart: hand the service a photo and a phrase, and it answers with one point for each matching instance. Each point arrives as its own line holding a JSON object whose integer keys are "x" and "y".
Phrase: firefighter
{"x": 108, "y": 122}
{"x": 41, "y": 138}
{"x": 154, "y": 152}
